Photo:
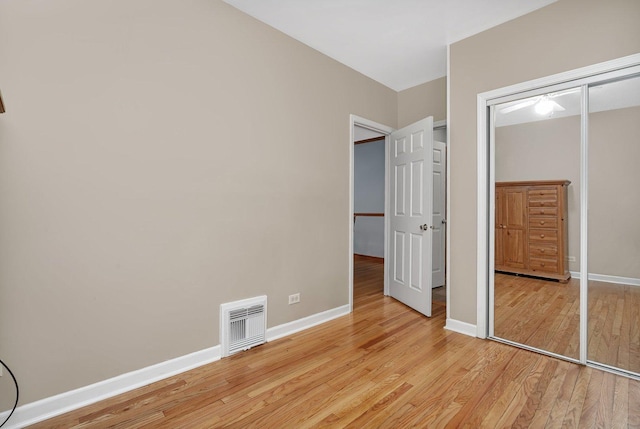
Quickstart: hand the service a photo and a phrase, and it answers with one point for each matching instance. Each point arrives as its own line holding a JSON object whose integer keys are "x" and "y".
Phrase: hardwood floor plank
{"x": 435, "y": 390}
{"x": 545, "y": 314}
{"x": 634, "y": 400}
{"x": 522, "y": 384}
{"x": 620, "y": 413}
{"x": 535, "y": 387}
{"x": 591, "y": 400}
{"x": 550, "y": 397}
{"x": 539, "y": 313}
{"x": 604, "y": 404}
{"x": 364, "y": 419}
{"x": 435, "y": 394}
{"x": 578, "y": 396}
{"x": 563, "y": 398}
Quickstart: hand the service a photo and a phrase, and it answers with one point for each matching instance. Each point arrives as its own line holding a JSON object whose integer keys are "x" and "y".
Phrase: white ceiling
{"x": 399, "y": 43}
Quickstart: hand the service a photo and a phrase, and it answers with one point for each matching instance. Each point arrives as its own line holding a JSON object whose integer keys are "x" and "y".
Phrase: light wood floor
{"x": 546, "y": 314}
{"x": 383, "y": 366}
{"x": 540, "y": 313}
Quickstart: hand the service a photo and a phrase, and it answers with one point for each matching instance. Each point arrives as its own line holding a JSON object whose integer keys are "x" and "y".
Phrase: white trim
{"x": 482, "y": 246}
{"x": 581, "y": 76}
{"x": 584, "y": 222}
{"x": 491, "y": 206}
{"x": 387, "y": 214}
{"x": 447, "y": 264}
{"x": 385, "y": 130}
{"x": 461, "y": 327}
{"x": 614, "y": 370}
{"x": 351, "y": 208}
{"x": 628, "y": 281}
{"x": 535, "y": 349}
{"x": 306, "y": 322}
{"x": 569, "y": 78}
{"x": 52, "y": 406}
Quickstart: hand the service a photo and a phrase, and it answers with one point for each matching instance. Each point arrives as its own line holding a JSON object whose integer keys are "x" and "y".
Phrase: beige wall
{"x": 614, "y": 197}
{"x": 155, "y": 161}
{"x": 428, "y": 99}
{"x": 584, "y": 32}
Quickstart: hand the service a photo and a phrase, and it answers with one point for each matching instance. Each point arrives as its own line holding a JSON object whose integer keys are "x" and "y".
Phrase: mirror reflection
{"x": 613, "y": 227}
{"x": 537, "y": 221}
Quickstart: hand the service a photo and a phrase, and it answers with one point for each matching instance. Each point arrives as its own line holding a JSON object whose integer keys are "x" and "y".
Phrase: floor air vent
{"x": 243, "y": 324}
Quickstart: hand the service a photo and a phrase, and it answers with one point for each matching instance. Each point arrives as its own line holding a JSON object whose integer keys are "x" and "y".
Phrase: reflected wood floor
{"x": 546, "y": 315}
{"x": 383, "y": 366}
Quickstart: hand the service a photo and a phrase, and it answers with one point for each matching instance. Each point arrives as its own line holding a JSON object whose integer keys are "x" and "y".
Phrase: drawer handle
{"x": 541, "y": 250}
{"x": 541, "y": 222}
{"x": 542, "y": 264}
{"x": 541, "y": 235}
{"x": 542, "y": 203}
{"x": 541, "y": 211}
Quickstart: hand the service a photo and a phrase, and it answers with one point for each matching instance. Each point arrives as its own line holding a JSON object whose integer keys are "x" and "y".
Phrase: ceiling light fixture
{"x": 544, "y": 106}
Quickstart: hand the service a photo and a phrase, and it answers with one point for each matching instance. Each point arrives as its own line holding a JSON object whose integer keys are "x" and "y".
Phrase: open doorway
{"x": 369, "y": 193}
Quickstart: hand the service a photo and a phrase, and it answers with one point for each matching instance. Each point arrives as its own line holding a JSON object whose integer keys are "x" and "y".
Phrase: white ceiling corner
{"x": 400, "y": 43}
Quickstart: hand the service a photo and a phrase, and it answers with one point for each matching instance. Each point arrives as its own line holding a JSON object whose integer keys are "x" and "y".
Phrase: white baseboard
{"x": 305, "y": 323}
{"x": 461, "y": 327}
{"x": 630, "y": 281}
{"x": 59, "y": 404}
{"x": 52, "y": 406}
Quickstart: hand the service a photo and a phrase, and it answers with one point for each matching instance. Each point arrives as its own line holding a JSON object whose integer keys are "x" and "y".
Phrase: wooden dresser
{"x": 531, "y": 228}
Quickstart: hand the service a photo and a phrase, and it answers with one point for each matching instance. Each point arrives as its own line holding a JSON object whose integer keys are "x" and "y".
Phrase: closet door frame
{"x": 583, "y": 77}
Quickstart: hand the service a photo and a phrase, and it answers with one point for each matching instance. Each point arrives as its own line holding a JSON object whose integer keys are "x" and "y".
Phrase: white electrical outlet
{"x": 294, "y": 299}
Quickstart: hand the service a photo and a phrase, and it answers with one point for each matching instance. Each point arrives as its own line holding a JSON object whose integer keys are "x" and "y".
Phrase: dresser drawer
{"x": 547, "y": 202}
{"x": 543, "y": 235}
{"x": 541, "y": 192}
{"x": 543, "y": 211}
{"x": 548, "y": 265}
{"x": 543, "y": 222}
{"x": 543, "y": 250}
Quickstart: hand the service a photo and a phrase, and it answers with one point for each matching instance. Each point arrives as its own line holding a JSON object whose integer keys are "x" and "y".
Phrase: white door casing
{"x": 410, "y": 223}
{"x": 439, "y": 209}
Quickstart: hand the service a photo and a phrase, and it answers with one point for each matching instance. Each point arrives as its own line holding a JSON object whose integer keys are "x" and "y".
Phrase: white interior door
{"x": 439, "y": 206}
{"x": 410, "y": 223}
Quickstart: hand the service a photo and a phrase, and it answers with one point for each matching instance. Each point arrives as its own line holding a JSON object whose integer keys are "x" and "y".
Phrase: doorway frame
{"x": 486, "y": 179}
{"x": 386, "y": 131}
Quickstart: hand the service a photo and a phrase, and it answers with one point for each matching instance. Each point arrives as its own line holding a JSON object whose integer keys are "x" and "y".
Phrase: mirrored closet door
{"x": 537, "y": 221}
{"x": 564, "y": 220}
{"x": 614, "y": 224}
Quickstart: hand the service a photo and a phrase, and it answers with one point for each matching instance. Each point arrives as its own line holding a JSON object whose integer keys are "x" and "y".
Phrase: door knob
{"x": 424, "y": 227}
{"x": 444, "y": 221}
